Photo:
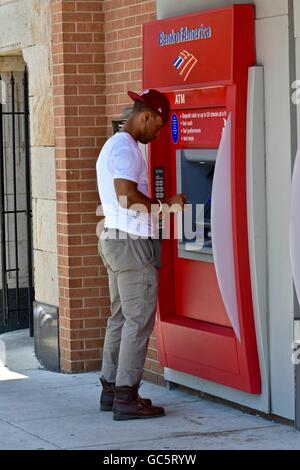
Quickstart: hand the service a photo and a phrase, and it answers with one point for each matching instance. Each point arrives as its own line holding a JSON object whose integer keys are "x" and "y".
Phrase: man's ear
{"x": 147, "y": 115}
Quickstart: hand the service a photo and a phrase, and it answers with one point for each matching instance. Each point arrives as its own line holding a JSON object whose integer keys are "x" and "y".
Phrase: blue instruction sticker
{"x": 175, "y": 128}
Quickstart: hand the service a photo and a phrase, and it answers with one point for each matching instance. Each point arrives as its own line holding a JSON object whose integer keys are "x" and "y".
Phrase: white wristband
{"x": 160, "y": 207}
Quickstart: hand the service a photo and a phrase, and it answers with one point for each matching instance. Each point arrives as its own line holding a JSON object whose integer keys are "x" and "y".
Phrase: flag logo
{"x": 185, "y": 63}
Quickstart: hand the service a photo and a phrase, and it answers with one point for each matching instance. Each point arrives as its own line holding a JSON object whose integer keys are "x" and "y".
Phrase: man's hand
{"x": 130, "y": 198}
{"x": 176, "y": 203}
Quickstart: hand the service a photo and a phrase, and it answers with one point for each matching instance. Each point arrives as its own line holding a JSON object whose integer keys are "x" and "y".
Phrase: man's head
{"x": 151, "y": 109}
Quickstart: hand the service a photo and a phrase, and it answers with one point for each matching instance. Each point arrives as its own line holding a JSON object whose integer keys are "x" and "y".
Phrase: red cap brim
{"x": 135, "y": 97}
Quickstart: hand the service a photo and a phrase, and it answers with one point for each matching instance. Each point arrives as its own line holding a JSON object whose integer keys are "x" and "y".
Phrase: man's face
{"x": 150, "y": 127}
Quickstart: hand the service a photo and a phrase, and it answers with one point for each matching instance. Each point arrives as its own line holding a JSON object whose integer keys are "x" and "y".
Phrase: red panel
{"x": 205, "y": 97}
{"x": 200, "y": 127}
{"x": 208, "y": 34}
{"x": 203, "y": 343}
{"x": 194, "y": 334}
{"x": 197, "y": 294}
{"x": 196, "y": 277}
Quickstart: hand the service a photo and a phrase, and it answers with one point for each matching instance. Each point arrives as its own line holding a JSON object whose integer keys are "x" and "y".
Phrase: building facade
{"x": 82, "y": 56}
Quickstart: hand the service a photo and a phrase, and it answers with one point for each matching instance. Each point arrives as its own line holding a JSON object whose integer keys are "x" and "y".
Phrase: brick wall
{"x": 123, "y": 50}
{"x": 97, "y": 57}
{"x": 80, "y": 128}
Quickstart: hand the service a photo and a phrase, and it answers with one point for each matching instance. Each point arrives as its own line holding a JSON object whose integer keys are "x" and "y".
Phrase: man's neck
{"x": 130, "y": 127}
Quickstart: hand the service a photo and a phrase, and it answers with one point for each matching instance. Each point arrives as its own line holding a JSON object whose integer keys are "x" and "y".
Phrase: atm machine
{"x": 206, "y": 322}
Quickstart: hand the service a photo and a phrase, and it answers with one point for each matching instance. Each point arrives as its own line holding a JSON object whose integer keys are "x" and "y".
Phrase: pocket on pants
{"x": 114, "y": 253}
{"x": 143, "y": 250}
{"x": 100, "y": 251}
{"x": 99, "y": 247}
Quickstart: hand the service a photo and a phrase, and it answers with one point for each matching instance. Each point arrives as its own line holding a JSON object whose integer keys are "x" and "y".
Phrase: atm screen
{"x": 195, "y": 172}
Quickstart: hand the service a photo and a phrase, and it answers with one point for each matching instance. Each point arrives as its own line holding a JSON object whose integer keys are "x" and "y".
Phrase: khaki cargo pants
{"x": 133, "y": 281}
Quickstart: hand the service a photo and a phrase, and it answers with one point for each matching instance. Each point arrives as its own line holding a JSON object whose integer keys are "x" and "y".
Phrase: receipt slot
{"x": 205, "y": 322}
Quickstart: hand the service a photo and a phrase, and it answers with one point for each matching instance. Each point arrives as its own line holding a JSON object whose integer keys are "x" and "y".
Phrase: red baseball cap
{"x": 155, "y": 100}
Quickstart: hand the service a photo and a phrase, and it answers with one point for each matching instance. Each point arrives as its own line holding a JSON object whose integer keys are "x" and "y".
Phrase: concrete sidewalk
{"x": 46, "y": 410}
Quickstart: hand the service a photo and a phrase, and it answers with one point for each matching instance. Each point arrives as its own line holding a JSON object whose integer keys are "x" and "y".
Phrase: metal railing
{"x": 17, "y": 308}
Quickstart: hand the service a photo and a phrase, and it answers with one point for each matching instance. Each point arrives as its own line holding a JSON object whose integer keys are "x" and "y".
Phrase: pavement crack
{"x": 16, "y": 426}
{"x": 178, "y": 435}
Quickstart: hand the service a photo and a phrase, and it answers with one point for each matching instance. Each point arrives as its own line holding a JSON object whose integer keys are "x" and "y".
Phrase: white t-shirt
{"x": 121, "y": 157}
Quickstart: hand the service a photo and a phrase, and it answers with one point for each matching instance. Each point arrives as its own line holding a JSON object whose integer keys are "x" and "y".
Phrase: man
{"x": 129, "y": 254}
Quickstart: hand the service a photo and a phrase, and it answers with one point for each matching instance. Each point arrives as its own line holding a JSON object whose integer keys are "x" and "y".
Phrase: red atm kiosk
{"x": 201, "y": 62}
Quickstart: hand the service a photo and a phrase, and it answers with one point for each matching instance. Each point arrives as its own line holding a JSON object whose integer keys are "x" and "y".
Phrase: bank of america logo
{"x": 185, "y": 63}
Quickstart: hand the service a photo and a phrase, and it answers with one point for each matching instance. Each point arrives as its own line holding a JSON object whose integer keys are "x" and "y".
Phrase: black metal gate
{"x": 16, "y": 283}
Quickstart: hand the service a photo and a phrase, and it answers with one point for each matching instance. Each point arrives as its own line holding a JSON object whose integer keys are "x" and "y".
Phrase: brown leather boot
{"x": 127, "y": 405}
{"x": 108, "y": 394}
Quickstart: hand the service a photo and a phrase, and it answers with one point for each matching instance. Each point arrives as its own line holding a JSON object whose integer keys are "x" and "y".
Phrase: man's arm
{"x": 128, "y": 195}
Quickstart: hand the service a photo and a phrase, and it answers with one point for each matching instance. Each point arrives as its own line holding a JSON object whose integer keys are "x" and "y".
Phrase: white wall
{"x": 264, "y": 8}
{"x": 273, "y": 52}
{"x": 297, "y": 36}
